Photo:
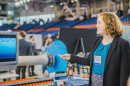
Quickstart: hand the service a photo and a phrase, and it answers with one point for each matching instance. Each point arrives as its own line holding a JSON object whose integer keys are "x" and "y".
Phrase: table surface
{"x": 73, "y": 81}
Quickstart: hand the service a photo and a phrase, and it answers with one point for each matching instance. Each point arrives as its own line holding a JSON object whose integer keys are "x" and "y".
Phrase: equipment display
{"x": 8, "y": 50}
{"x": 55, "y": 64}
{"x": 52, "y": 60}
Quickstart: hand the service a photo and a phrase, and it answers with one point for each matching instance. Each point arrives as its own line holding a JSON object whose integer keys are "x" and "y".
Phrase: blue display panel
{"x": 7, "y": 48}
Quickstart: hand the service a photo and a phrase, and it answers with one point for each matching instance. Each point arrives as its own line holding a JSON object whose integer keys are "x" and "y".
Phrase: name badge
{"x": 97, "y": 61}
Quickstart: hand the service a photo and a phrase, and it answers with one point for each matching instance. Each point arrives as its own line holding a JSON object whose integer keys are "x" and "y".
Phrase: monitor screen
{"x": 7, "y": 48}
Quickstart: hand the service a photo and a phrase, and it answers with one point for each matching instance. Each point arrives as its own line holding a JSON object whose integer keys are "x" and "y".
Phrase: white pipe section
{"x": 32, "y": 60}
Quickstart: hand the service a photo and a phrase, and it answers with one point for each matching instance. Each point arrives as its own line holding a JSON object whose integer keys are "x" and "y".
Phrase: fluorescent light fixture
{"x": 72, "y": 1}
{"x": 28, "y": 0}
{"x": 61, "y": 3}
{"x": 24, "y": 1}
{"x": 21, "y": 2}
{"x": 17, "y": 3}
{"x": 51, "y": 6}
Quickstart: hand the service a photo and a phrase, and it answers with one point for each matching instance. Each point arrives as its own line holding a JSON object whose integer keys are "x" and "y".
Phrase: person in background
{"x": 47, "y": 42}
{"x": 33, "y": 52}
{"x": 24, "y": 50}
{"x": 109, "y": 56}
{"x": 57, "y": 37}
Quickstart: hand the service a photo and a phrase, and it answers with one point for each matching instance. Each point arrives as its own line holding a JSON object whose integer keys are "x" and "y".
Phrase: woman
{"x": 47, "y": 42}
{"x": 46, "y": 45}
{"x": 109, "y": 56}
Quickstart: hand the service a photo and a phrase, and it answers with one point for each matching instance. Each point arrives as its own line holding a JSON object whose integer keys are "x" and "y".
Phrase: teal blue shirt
{"x": 102, "y": 51}
{"x": 45, "y": 50}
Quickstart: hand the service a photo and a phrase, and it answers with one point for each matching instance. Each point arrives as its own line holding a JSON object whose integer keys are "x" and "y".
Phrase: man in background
{"x": 24, "y": 50}
{"x": 33, "y": 52}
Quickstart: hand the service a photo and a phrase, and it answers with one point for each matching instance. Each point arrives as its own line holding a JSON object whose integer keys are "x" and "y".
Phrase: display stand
{"x": 79, "y": 44}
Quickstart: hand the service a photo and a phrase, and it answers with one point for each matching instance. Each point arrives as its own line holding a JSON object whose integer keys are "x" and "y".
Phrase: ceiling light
{"x": 72, "y": 1}
{"x": 17, "y": 3}
{"x": 75, "y": 0}
{"x": 51, "y": 6}
{"x": 24, "y": 1}
{"x": 61, "y": 3}
{"x": 21, "y": 2}
{"x": 28, "y": 0}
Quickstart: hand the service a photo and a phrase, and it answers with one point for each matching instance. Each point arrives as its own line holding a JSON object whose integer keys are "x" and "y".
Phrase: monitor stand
{"x": 79, "y": 44}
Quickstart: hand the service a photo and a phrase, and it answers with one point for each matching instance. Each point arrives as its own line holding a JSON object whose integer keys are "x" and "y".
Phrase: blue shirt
{"x": 45, "y": 50}
{"x": 102, "y": 51}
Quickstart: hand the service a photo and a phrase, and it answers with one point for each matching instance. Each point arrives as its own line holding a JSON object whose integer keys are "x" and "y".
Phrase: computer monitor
{"x": 8, "y": 51}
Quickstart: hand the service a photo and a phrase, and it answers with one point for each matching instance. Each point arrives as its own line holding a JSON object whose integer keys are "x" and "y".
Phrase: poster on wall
{"x": 37, "y": 38}
{"x": 126, "y": 32}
